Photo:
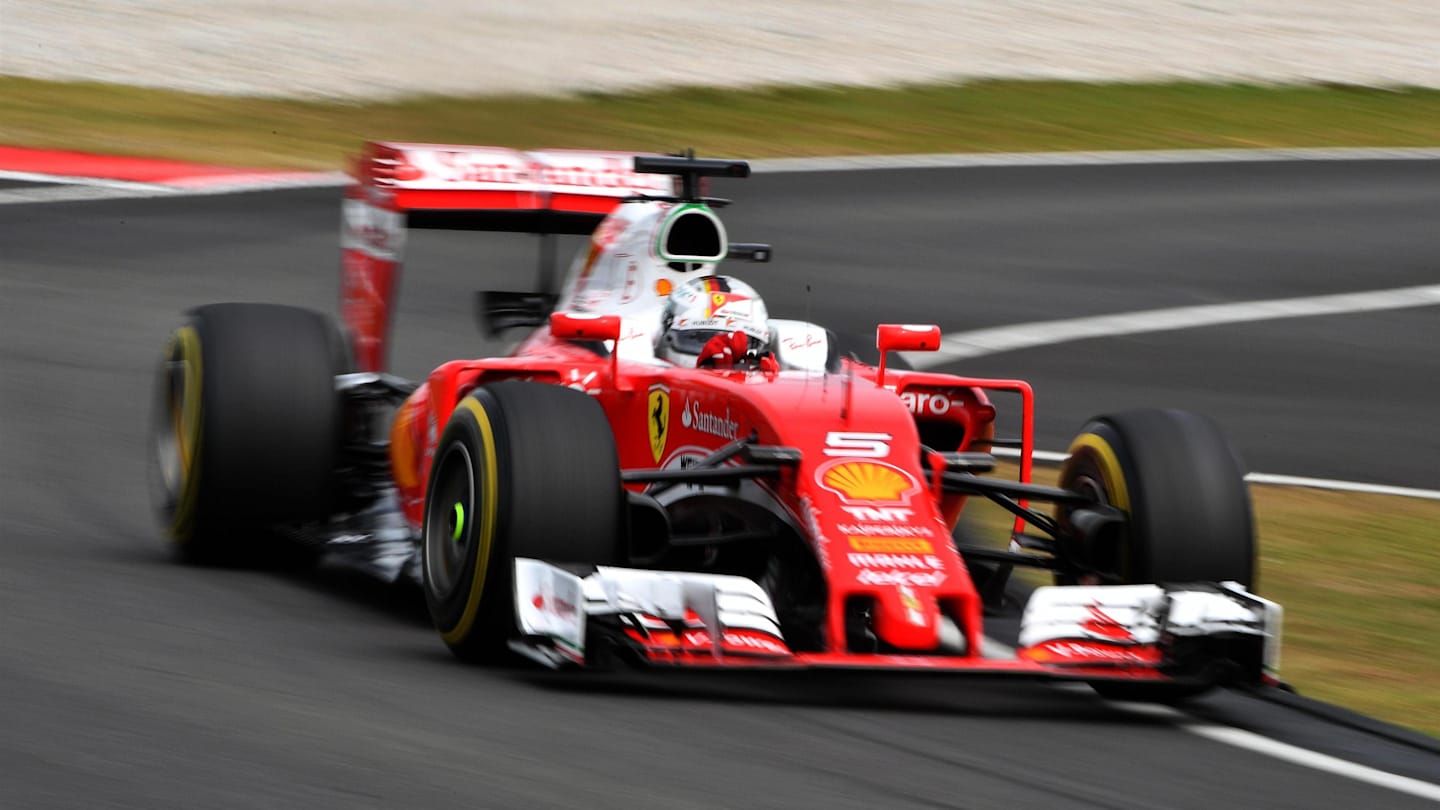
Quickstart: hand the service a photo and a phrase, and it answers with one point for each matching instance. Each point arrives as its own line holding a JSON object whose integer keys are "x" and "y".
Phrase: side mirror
{"x": 907, "y": 337}
{"x": 904, "y": 337}
{"x": 591, "y": 326}
{"x": 584, "y": 326}
{"x": 749, "y": 252}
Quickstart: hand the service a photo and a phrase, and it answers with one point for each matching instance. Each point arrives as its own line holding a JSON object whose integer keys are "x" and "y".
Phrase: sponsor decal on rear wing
{"x": 423, "y": 178}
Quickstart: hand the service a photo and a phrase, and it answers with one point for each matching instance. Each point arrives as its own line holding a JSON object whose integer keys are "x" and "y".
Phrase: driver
{"x": 716, "y": 322}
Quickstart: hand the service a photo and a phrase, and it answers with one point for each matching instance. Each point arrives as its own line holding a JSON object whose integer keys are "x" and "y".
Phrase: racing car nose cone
{"x": 908, "y": 618}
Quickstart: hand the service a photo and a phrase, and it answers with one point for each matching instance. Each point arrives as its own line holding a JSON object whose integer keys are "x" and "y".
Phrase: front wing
{"x": 1201, "y": 632}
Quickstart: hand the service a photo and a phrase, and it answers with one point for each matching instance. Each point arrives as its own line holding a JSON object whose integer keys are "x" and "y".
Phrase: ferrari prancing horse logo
{"x": 658, "y": 417}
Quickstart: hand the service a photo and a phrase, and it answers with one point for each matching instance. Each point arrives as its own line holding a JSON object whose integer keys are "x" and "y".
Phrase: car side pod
{"x": 904, "y": 337}
{"x": 590, "y": 326}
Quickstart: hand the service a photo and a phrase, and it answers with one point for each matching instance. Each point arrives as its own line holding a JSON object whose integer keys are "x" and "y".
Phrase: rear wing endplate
{"x": 411, "y": 185}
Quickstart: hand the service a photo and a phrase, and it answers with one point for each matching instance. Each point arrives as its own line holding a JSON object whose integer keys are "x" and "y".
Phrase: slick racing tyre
{"x": 1181, "y": 488}
{"x": 522, "y": 469}
{"x": 245, "y": 426}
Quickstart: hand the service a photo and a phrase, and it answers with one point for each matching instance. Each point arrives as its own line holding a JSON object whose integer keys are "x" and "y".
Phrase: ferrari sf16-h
{"x": 591, "y": 500}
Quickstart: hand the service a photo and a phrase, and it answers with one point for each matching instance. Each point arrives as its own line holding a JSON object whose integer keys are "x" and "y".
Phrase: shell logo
{"x": 867, "y": 482}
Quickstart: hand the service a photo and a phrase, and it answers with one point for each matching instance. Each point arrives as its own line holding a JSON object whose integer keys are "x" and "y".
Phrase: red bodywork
{"x": 879, "y": 526}
{"x": 859, "y": 492}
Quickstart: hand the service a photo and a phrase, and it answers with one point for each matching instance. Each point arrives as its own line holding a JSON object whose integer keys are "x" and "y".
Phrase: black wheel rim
{"x": 449, "y": 521}
{"x": 169, "y": 436}
{"x": 1086, "y": 479}
{"x": 174, "y": 428}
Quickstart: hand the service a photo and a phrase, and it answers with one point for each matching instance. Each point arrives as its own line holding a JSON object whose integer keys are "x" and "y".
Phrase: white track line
{"x": 1341, "y": 486}
{"x": 1115, "y": 158}
{"x": 81, "y": 189}
{"x": 768, "y": 166}
{"x": 957, "y": 345}
{"x": 81, "y": 193}
{"x": 1039, "y": 455}
{"x": 103, "y": 189}
{"x": 1290, "y": 753}
{"x": 961, "y": 345}
{"x": 1313, "y": 759}
{"x": 65, "y": 179}
{"x": 981, "y": 342}
{"x": 1050, "y": 457}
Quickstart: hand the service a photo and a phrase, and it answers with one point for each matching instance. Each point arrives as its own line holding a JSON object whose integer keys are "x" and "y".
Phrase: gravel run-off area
{"x": 369, "y": 49}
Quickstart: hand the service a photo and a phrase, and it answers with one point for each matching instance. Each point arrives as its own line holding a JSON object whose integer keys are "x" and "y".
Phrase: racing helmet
{"x": 705, "y": 307}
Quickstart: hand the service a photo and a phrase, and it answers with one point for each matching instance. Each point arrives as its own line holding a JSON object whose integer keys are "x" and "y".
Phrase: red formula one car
{"x": 660, "y": 474}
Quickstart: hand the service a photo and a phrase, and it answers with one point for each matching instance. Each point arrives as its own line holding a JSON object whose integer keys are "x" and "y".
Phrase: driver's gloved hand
{"x": 722, "y": 351}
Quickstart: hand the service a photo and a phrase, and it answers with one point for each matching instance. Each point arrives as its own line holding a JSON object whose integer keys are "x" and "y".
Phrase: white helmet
{"x": 702, "y": 308}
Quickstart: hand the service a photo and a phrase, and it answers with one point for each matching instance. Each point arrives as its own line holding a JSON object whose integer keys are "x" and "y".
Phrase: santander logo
{"x": 693, "y": 418}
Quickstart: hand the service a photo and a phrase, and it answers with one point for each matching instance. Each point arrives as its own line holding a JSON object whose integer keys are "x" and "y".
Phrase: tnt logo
{"x": 879, "y": 514}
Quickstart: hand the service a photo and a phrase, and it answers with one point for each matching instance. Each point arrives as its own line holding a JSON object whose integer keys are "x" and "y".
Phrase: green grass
{"x": 988, "y": 116}
{"x": 1359, "y": 578}
{"x": 1359, "y": 575}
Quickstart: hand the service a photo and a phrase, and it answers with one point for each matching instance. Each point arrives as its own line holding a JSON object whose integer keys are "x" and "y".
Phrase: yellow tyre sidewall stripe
{"x": 188, "y": 424}
{"x": 1110, "y": 470}
{"x": 488, "y": 496}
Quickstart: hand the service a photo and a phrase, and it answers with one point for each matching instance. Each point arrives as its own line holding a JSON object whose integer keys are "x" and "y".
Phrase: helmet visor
{"x": 691, "y": 341}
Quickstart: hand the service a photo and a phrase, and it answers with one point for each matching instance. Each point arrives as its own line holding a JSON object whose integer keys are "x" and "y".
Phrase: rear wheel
{"x": 245, "y": 426}
{"x": 1181, "y": 489}
{"x": 522, "y": 470}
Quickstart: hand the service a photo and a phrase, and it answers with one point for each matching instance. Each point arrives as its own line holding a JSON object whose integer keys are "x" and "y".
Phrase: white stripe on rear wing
{"x": 434, "y": 177}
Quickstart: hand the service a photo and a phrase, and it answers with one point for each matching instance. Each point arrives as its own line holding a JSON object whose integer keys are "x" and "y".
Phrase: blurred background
{"x": 131, "y": 681}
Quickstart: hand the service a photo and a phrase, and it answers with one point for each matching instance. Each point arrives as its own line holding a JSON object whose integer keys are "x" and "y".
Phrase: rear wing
{"x": 410, "y": 185}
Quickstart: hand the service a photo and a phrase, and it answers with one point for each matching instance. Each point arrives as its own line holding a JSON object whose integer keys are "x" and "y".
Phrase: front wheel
{"x": 1180, "y": 487}
{"x": 1180, "y": 490}
{"x": 522, "y": 470}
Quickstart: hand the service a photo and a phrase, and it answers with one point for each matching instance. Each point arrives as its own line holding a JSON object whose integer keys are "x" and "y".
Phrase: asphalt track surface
{"x": 130, "y": 681}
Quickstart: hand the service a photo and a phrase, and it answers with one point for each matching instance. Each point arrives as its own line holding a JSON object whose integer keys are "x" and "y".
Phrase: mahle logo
{"x": 658, "y": 417}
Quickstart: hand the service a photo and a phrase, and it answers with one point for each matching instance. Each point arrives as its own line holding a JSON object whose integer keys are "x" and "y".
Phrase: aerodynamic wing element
{"x": 1145, "y": 633}
{"x": 409, "y": 185}
{"x": 664, "y": 616}
{"x": 1178, "y": 629}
